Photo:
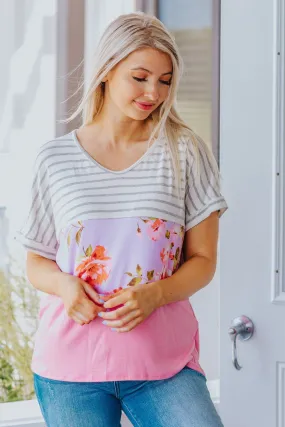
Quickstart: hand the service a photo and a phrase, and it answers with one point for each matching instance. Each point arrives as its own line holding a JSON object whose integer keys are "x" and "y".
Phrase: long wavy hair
{"x": 122, "y": 36}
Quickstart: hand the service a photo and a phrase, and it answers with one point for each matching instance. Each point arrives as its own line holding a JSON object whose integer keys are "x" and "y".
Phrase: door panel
{"x": 251, "y": 143}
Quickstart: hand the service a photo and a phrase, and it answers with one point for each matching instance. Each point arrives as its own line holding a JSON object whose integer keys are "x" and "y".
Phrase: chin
{"x": 139, "y": 116}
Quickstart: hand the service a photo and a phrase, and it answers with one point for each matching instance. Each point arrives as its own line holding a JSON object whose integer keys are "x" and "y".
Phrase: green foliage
{"x": 19, "y": 304}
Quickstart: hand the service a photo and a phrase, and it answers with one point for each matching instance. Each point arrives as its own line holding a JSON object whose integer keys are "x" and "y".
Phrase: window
{"x": 34, "y": 81}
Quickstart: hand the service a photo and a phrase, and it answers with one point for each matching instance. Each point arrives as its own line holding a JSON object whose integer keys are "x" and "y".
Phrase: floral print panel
{"x": 112, "y": 254}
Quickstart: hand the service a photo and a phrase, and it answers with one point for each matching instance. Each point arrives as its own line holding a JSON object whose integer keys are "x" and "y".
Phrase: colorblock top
{"x": 115, "y": 229}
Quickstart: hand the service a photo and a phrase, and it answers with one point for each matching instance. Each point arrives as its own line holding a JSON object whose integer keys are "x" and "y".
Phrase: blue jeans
{"x": 180, "y": 401}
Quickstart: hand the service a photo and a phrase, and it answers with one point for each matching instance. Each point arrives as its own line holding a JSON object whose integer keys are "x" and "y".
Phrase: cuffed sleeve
{"x": 203, "y": 193}
{"x": 38, "y": 231}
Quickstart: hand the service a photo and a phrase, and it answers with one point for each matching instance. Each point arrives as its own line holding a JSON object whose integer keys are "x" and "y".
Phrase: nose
{"x": 152, "y": 93}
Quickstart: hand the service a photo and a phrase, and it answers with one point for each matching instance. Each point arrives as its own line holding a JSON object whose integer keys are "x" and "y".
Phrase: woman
{"x": 122, "y": 230}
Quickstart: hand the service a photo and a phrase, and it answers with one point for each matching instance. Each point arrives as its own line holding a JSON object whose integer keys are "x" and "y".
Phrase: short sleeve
{"x": 203, "y": 193}
{"x": 38, "y": 231}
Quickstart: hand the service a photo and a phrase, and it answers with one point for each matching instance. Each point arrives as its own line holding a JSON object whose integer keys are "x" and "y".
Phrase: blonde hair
{"x": 124, "y": 35}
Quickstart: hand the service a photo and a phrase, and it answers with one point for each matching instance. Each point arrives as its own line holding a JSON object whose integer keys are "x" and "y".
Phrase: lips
{"x": 143, "y": 103}
{"x": 144, "y": 106}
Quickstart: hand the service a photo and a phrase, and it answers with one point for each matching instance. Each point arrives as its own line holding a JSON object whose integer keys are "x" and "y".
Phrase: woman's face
{"x": 129, "y": 82}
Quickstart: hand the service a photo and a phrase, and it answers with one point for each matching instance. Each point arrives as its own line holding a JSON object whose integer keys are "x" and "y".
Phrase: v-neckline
{"x": 95, "y": 162}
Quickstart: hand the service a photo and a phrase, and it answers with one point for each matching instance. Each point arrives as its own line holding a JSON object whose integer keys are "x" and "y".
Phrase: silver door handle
{"x": 243, "y": 328}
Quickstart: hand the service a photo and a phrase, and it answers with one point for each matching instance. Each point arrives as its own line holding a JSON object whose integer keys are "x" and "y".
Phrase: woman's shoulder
{"x": 55, "y": 143}
{"x": 194, "y": 146}
{"x": 46, "y": 152}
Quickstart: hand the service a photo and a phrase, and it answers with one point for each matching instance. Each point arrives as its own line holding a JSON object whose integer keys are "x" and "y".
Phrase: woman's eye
{"x": 143, "y": 80}
{"x": 138, "y": 79}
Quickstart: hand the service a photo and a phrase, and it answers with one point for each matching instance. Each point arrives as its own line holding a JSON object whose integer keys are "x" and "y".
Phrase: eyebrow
{"x": 141, "y": 68}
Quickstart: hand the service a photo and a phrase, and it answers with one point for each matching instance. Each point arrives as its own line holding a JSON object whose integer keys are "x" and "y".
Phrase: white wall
{"x": 27, "y": 104}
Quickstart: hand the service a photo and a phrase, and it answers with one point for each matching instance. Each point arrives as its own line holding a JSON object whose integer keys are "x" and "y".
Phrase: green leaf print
{"x": 88, "y": 251}
{"x": 135, "y": 281}
{"x": 177, "y": 253}
{"x": 78, "y": 236}
{"x": 129, "y": 274}
{"x": 150, "y": 275}
{"x": 139, "y": 270}
{"x": 176, "y": 259}
{"x": 167, "y": 234}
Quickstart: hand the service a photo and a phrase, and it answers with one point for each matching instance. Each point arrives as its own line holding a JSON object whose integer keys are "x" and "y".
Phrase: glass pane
{"x": 191, "y": 23}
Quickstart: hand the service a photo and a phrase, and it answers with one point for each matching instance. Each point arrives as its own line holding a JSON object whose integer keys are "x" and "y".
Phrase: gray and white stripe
{"x": 70, "y": 185}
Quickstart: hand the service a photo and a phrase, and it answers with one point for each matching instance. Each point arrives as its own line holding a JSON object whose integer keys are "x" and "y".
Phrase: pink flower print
{"x": 95, "y": 267}
{"x": 163, "y": 274}
{"x": 166, "y": 254}
{"x": 156, "y": 229}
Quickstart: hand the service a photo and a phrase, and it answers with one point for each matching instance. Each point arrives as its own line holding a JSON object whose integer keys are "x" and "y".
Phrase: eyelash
{"x": 143, "y": 80}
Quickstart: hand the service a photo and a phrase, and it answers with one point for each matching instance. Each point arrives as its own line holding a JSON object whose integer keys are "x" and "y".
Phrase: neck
{"x": 122, "y": 132}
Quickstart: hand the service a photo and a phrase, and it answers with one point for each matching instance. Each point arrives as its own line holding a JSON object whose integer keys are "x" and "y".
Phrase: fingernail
{"x": 101, "y": 300}
{"x": 104, "y": 322}
{"x": 100, "y": 314}
{"x": 113, "y": 329}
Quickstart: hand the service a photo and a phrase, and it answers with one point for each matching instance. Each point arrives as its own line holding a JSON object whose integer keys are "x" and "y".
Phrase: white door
{"x": 252, "y": 281}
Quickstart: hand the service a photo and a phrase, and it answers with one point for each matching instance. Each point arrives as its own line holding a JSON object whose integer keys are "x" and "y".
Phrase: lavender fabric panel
{"x": 111, "y": 254}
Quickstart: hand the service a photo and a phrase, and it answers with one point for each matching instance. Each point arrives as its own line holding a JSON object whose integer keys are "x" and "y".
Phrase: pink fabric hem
{"x": 99, "y": 377}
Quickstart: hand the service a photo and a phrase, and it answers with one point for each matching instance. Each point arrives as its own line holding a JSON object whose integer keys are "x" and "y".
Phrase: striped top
{"x": 116, "y": 230}
{"x": 68, "y": 184}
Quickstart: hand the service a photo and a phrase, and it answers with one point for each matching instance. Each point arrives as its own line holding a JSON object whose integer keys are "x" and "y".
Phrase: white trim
{"x": 22, "y": 413}
{"x": 214, "y": 389}
{"x": 280, "y": 394}
{"x": 278, "y": 292}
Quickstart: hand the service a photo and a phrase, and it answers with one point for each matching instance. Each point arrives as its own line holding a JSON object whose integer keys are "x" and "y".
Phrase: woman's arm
{"x": 81, "y": 301}
{"x": 200, "y": 254}
{"x": 44, "y": 274}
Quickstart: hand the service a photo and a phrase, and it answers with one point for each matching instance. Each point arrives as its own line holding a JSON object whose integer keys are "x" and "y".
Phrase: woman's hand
{"x": 75, "y": 294}
{"x": 138, "y": 301}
